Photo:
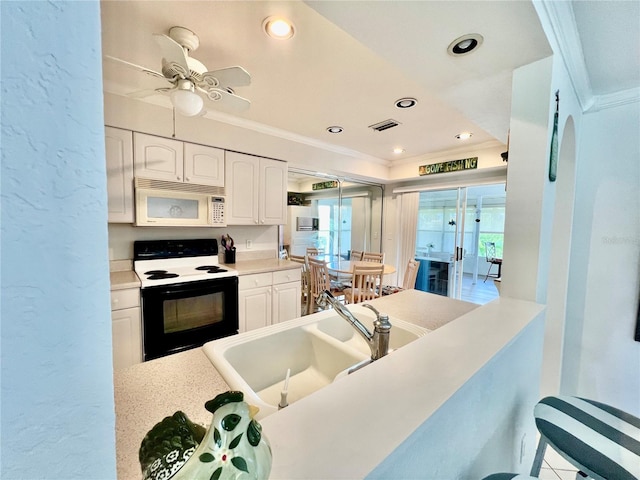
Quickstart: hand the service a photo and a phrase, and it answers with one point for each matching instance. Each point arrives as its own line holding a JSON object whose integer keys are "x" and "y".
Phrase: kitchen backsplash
{"x": 251, "y": 242}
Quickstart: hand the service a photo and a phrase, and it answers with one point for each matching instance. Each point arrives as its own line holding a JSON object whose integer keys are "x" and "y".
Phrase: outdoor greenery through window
{"x": 484, "y": 222}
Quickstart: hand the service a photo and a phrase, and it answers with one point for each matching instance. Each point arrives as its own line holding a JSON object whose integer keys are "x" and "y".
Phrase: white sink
{"x": 317, "y": 349}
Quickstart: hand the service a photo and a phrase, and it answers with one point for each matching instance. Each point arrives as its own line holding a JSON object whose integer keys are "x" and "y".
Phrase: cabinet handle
{"x": 275, "y": 289}
{"x": 187, "y": 179}
{"x": 178, "y": 177}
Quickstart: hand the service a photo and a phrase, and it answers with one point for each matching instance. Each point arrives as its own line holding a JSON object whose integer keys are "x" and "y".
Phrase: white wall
{"x": 57, "y": 394}
{"x": 523, "y": 267}
{"x": 601, "y": 359}
{"x": 481, "y": 428}
{"x": 122, "y": 236}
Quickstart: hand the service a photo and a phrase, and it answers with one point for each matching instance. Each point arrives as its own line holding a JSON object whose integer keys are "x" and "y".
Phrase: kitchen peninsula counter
{"x": 148, "y": 392}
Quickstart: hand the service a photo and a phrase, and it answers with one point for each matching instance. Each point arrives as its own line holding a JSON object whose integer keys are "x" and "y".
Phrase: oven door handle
{"x": 178, "y": 290}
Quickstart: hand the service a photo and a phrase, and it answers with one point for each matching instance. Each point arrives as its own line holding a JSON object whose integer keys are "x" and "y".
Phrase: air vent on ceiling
{"x": 384, "y": 125}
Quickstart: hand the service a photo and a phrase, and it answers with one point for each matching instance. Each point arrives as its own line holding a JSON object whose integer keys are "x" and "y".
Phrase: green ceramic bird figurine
{"x": 232, "y": 448}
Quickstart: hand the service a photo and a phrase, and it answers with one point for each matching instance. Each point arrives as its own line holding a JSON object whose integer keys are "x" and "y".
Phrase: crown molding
{"x": 559, "y": 16}
{"x": 258, "y": 127}
{"x": 443, "y": 154}
{"x": 616, "y": 99}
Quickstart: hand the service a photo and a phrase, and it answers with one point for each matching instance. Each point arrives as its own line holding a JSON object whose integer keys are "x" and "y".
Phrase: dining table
{"x": 345, "y": 267}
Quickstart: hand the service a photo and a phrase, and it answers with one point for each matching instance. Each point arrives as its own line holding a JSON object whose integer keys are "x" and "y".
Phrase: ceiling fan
{"x": 189, "y": 76}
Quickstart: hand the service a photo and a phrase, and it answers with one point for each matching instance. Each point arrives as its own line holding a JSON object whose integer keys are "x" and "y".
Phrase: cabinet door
{"x": 126, "y": 332}
{"x": 287, "y": 299}
{"x": 254, "y": 308}
{"x": 203, "y": 165}
{"x": 242, "y": 187}
{"x": 273, "y": 192}
{"x": 158, "y": 158}
{"x": 119, "y": 154}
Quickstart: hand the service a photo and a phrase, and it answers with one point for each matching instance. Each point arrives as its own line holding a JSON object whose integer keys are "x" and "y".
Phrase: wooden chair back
{"x": 318, "y": 276}
{"x": 373, "y": 257}
{"x": 365, "y": 283}
{"x": 319, "y": 281}
{"x": 297, "y": 258}
{"x": 410, "y": 275}
{"x": 314, "y": 251}
{"x": 356, "y": 255}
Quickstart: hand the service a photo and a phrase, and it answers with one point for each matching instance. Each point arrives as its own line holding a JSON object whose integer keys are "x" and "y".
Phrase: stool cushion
{"x": 600, "y": 440}
{"x": 509, "y": 476}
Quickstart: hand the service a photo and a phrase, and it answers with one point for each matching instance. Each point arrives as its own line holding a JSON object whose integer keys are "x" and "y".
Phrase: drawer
{"x": 127, "y": 298}
{"x": 286, "y": 276}
{"x": 256, "y": 280}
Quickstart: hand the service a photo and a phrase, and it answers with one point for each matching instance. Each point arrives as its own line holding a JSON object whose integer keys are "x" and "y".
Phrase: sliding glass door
{"x": 452, "y": 228}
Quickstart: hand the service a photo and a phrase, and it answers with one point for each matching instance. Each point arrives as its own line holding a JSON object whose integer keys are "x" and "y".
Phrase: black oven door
{"x": 186, "y": 315}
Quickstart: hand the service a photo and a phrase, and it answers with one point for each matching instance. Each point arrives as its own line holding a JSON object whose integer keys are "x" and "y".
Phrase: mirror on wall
{"x": 333, "y": 214}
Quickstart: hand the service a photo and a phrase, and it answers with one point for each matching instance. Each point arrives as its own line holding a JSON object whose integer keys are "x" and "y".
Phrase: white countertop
{"x": 148, "y": 392}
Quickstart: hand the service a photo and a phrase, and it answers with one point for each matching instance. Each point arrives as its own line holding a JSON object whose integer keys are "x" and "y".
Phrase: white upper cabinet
{"x": 158, "y": 158}
{"x": 256, "y": 190}
{"x": 273, "y": 192}
{"x": 203, "y": 165}
{"x": 161, "y": 158}
{"x": 119, "y": 155}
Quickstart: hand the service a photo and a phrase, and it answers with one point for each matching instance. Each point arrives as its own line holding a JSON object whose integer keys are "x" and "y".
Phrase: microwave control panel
{"x": 217, "y": 211}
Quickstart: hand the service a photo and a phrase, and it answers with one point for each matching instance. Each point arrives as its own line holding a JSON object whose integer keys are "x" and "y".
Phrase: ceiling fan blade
{"x": 230, "y": 76}
{"x": 230, "y": 100}
{"x": 133, "y": 66}
{"x": 174, "y": 59}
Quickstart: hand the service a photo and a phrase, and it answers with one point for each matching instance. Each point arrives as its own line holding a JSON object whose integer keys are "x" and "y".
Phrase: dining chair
{"x": 490, "y": 254}
{"x": 365, "y": 281}
{"x": 373, "y": 257}
{"x": 355, "y": 255}
{"x": 305, "y": 281}
{"x": 314, "y": 251}
{"x": 319, "y": 281}
{"x": 297, "y": 258}
{"x": 409, "y": 282}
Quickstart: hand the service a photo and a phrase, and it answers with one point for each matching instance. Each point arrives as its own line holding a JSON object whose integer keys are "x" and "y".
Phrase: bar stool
{"x": 602, "y": 441}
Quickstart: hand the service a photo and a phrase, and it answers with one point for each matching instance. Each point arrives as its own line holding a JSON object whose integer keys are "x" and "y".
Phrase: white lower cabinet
{"x": 126, "y": 327}
{"x": 268, "y": 298}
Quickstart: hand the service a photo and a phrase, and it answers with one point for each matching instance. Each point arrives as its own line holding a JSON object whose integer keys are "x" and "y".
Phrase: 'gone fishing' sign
{"x": 451, "y": 166}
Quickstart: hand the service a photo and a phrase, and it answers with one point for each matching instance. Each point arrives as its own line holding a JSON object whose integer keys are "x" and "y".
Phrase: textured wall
{"x": 57, "y": 395}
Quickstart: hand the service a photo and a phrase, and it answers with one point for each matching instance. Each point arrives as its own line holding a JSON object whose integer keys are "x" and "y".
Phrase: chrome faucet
{"x": 378, "y": 341}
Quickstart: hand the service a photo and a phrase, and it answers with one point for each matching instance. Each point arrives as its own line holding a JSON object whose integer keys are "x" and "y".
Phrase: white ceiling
{"x": 349, "y": 61}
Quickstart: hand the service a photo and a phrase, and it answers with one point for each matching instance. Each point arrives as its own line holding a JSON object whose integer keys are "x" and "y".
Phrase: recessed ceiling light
{"x": 278, "y": 27}
{"x": 398, "y": 150}
{"x": 406, "y": 102}
{"x": 465, "y": 44}
{"x": 464, "y": 136}
{"x": 334, "y": 129}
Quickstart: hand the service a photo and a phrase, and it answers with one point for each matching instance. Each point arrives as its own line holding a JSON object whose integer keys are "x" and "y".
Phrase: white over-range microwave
{"x": 169, "y": 204}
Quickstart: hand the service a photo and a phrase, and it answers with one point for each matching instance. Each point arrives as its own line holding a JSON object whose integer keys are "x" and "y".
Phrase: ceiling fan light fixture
{"x": 335, "y": 129}
{"x": 465, "y": 44}
{"x": 185, "y": 100}
{"x": 464, "y": 136}
{"x": 278, "y": 27}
